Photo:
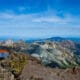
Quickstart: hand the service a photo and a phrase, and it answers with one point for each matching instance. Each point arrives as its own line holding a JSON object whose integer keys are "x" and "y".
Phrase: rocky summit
{"x": 56, "y": 59}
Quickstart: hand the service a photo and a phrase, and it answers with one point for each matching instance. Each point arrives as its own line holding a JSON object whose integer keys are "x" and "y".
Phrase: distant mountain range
{"x": 56, "y": 54}
{"x": 42, "y": 57}
{"x": 53, "y": 52}
{"x": 56, "y": 51}
{"x": 75, "y": 39}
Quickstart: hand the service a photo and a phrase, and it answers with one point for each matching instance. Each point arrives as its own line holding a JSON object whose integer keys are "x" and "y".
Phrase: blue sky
{"x": 39, "y": 18}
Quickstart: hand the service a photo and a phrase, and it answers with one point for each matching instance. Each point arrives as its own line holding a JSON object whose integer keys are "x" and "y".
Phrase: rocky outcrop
{"x": 55, "y": 53}
{"x": 5, "y": 74}
{"x": 36, "y": 71}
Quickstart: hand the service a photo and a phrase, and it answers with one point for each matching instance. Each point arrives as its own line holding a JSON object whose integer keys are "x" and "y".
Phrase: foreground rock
{"x": 33, "y": 70}
{"x": 5, "y": 74}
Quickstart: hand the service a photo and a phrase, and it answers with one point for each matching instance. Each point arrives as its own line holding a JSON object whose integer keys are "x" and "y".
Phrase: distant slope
{"x": 46, "y": 39}
{"x": 56, "y": 39}
{"x": 74, "y": 39}
{"x": 56, "y": 54}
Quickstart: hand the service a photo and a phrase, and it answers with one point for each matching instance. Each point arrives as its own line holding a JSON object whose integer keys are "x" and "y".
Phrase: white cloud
{"x": 49, "y": 20}
{"x": 37, "y": 18}
{"x": 6, "y": 16}
{"x": 56, "y": 19}
{"x": 29, "y": 24}
{"x": 22, "y": 8}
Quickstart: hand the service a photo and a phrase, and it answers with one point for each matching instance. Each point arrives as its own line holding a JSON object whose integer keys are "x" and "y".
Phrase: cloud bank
{"x": 39, "y": 19}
